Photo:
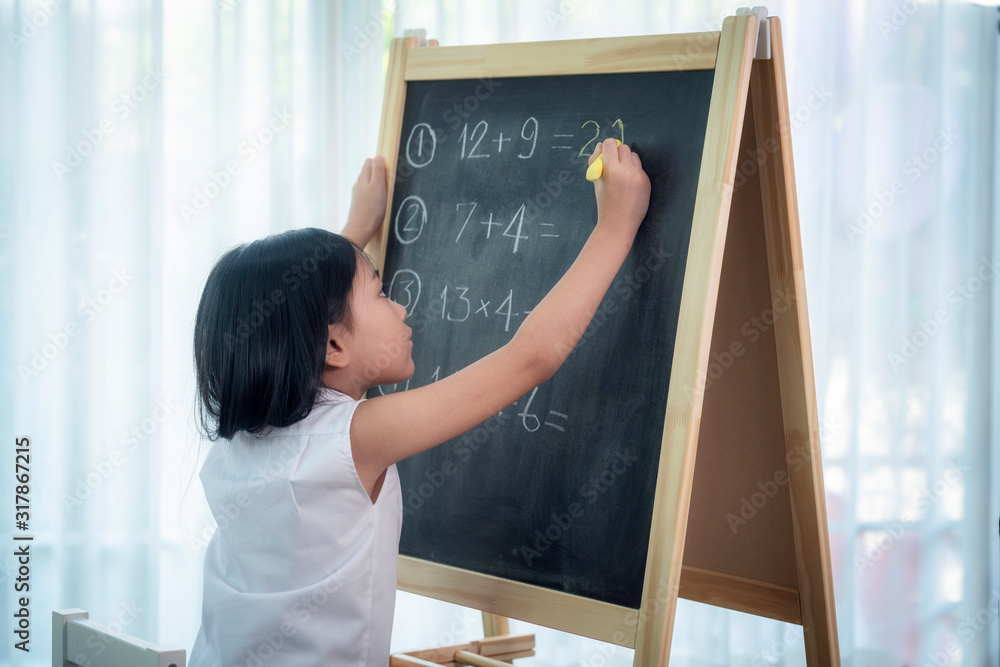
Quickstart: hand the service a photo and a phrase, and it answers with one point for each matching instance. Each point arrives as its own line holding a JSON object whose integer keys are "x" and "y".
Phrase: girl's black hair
{"x": 261, "y": 331}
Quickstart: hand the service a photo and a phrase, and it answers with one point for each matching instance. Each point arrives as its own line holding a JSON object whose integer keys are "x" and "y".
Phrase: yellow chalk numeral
{"x": 584, "y": 153}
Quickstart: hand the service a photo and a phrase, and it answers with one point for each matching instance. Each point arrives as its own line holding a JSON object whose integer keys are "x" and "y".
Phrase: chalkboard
{"x": 490, "y": 208}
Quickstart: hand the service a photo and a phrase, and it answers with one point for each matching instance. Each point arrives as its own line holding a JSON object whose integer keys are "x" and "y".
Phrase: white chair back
{"x": 77, "y": 641}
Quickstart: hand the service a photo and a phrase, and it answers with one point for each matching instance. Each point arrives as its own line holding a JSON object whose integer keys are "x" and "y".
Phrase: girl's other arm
{"x": 390, "y": 428}
{"x": 368, "y": 199}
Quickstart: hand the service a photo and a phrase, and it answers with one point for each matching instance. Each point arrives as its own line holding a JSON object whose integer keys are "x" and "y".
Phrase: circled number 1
{"x": 421, "y": 145}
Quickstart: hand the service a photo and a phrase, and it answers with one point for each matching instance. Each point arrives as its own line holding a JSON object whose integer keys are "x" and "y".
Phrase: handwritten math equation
{"x": 422, "y": 143}
{"x": 411, "y": 218}
{"x": 455, "y": 303}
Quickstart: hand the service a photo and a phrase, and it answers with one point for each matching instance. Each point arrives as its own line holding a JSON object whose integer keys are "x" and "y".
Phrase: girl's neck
{"x": 339, "y": 380}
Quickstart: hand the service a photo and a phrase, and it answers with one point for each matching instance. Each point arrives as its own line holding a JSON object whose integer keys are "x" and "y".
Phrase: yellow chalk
{"x": 595, "y": 170}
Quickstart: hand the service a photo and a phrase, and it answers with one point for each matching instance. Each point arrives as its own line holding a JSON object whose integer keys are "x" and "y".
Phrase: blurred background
{"x": 118, "y": 119}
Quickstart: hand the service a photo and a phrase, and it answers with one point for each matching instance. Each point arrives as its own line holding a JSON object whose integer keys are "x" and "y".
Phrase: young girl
{"x": 291, "y": 331}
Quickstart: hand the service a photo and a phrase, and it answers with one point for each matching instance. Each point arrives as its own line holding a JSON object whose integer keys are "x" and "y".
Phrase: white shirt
{"x": 302, "y": 568}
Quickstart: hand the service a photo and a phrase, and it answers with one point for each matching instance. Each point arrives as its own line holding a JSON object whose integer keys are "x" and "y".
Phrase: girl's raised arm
{"x": 390, "y": 428}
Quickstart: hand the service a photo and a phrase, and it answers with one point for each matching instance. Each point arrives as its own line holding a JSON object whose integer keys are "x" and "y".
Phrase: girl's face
{"x": 379, "y": 340}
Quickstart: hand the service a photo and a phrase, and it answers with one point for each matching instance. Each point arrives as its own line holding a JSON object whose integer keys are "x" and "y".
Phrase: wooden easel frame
{"x": 741, "y": 84}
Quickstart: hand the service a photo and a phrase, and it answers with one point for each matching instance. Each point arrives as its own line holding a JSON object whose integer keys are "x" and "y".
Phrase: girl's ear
{"x": 336, "y": 351}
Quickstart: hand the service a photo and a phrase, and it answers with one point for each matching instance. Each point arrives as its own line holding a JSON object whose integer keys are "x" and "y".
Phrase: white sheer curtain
{"x": 138, "y": 140}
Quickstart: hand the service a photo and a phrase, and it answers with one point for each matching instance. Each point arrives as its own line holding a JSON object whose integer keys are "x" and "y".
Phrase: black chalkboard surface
{"x": 490, "y": 208}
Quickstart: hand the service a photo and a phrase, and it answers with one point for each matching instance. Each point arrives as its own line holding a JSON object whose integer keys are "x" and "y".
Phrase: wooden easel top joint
{"x": 762, "y": 51}
{"x": 420, "y": 34}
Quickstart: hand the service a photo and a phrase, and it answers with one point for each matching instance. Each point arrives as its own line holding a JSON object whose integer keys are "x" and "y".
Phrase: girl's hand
{"x": 622, "y": 190}
{"x": 368, "y": 199}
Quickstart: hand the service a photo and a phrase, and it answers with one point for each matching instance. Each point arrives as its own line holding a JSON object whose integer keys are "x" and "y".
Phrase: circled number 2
{"x": 412, "y": 213}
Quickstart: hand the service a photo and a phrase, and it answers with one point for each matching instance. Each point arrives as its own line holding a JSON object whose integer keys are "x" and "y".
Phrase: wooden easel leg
{"x": 769, "y": 97}
{"x": 495, "y": 626}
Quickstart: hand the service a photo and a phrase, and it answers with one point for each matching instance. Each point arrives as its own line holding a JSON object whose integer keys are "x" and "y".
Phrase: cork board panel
{"x": 740, "y": 519}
